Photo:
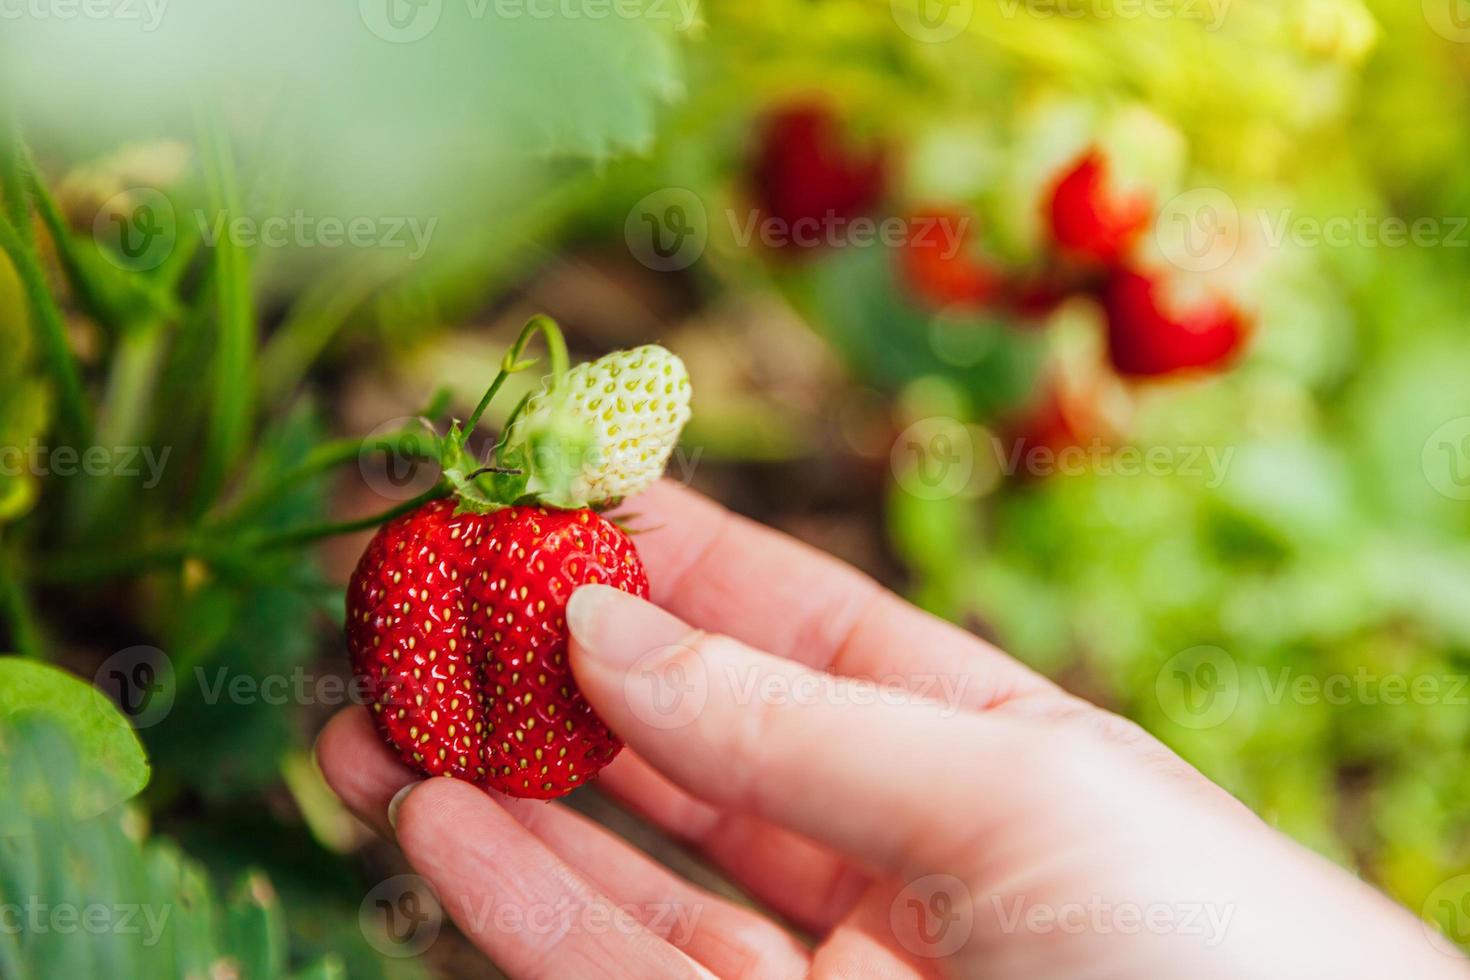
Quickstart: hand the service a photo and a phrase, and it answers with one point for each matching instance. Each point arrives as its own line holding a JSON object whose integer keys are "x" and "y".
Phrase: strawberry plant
{"x": 178, "y": 561}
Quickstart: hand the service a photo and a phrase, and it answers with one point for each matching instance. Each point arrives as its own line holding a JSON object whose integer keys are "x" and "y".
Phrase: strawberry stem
{"x": 510, "y": 421}
{"x": 515, "y": 361}
{"x": 483, "y": 488}
{"x": 409, "y": 442}
{"x": 92, "y": 566}
{"x": 310, "y": 535}
{"x": 503, "y": 470}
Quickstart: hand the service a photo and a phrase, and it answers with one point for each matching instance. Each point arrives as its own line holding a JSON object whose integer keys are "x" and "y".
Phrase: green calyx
{"x": 529, "y": 462}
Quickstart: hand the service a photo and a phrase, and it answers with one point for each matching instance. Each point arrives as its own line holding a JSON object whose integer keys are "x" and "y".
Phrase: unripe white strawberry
{"x": 631, "y": 405}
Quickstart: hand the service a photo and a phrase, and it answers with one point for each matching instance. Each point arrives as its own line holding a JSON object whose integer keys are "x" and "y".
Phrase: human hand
{"x": 909, "y": 796}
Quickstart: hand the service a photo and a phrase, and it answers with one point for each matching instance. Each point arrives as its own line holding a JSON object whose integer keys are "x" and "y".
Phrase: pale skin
{"x": 968, "y": 818}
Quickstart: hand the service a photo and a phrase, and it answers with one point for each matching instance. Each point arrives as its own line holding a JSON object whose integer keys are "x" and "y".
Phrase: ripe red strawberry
{"x": 938, "y": 264}
{"x": 806, "y": 175}
{"x": 1151, "y": 332}
{"x": 1088, "y": 219}
{"x": 456, "y": 626}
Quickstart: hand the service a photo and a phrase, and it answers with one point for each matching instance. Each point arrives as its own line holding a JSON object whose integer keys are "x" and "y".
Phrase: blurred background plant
{"x": 1129, "y": 336}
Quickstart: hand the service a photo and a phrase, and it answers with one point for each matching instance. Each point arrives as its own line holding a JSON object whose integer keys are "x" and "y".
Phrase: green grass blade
{"x": 50, "y": 333}
{"x": 232, "y": 371}
{"x": 314, "y": 321}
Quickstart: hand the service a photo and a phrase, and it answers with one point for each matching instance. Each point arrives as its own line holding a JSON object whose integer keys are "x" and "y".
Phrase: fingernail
{"x": 397, "y": 802}
{"x": 617, "y": 628}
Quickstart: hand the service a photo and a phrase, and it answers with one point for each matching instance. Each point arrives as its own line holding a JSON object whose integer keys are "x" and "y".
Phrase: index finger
{"x": 728, "y": 574}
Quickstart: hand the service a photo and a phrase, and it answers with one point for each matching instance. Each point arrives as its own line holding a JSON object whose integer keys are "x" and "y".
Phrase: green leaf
{"x": 321, "y": 891}
{"x": 428, "y": 98}
{"x": 256, "y": 927}
{"x": 158, "y": 912}
{"x": 107, "y": 747}
{"x": 327, "y": 968}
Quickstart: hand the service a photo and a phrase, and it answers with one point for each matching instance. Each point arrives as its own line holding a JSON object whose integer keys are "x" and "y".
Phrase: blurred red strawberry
{"x": 938, "y": 263}
{"x": 1154, "y": 330}
{"x": 1089, "y": 219}
{"x": 807, "y": 174}
{"x": 1051, "y": 421}
{"x": 1036, "y": 296}
{"x": 1068, "y": 409}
